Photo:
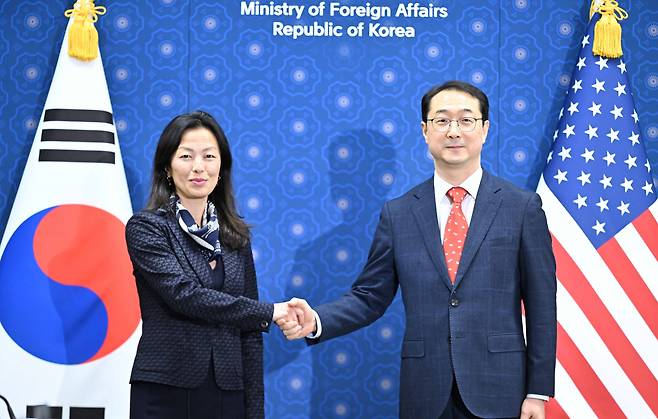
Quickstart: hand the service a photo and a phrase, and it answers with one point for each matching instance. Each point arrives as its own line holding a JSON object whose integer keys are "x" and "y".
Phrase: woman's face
{"x": 195, "y": 165}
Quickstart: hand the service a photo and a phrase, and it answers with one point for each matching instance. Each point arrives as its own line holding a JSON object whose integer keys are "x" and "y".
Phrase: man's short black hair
{"x": 459, "y": 86}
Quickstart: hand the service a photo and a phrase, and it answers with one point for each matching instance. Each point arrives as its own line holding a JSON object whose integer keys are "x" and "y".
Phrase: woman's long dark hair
{"x": 233, "y": 230}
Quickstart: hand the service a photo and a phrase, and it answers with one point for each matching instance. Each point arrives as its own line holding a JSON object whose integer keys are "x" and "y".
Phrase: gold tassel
{"x": 607, "y": 31}
{"x": 593, "y": 7}
{"x": 83, "y": 37}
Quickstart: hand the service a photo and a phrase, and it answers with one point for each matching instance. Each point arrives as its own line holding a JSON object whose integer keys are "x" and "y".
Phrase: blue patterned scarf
{"x": 207, "y": 235}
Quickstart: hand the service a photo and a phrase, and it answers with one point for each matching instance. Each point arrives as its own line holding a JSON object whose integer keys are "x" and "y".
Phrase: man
{"x": 466, "y": 249}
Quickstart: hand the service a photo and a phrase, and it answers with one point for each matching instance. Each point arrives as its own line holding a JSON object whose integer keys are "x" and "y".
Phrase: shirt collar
{"x": 471, "y": 184}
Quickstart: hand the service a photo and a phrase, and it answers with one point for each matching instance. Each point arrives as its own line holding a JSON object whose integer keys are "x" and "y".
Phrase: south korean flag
{"x": 69, "y": 313}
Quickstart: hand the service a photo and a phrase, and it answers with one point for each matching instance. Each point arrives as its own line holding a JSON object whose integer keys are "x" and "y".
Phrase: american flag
{"x": 600, "y": 202}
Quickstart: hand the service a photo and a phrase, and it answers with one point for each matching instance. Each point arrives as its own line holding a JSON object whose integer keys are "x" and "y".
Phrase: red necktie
{"x": 455, "y": 234}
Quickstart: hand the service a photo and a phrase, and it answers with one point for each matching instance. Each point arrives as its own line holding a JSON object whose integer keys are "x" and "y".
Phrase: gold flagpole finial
{"x": 607, "y": 31}
{"x": 83, "y": 37}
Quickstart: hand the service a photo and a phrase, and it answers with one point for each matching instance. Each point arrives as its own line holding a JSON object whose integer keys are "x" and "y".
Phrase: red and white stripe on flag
{"x": 607, "y": 312}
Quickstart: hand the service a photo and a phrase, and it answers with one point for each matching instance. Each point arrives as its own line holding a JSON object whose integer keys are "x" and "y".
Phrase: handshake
{"x": 295, "y": 318}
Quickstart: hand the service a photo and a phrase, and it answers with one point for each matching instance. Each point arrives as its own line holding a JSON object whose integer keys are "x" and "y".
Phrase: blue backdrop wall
{"x": 323, "y": 130}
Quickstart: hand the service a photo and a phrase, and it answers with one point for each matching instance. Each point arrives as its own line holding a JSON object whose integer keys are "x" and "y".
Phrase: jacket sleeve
{"x": 538, "y": 288}
{"x": 156, "y": 264}
{"x": 371, "y": 293}
{"x": 252, "y": 349}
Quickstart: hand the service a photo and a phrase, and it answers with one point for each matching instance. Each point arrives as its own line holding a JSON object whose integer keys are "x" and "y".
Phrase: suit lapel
{"x": 233, "y": 262}
{"x": 487, "y": 203}
{"x": 196, "y": 258}
{"x": 424, "y": 210}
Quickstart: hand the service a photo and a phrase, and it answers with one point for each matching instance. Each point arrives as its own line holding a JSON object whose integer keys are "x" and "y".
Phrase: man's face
{"x": 454, "y": 149}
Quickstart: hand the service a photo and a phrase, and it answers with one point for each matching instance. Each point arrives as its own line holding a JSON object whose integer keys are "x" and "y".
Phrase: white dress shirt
{"x": 443, "y": 204}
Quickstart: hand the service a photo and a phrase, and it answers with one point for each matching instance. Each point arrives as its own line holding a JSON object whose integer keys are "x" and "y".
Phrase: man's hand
{"x": 533, "y": 409}
{"x": 298, "y": 329}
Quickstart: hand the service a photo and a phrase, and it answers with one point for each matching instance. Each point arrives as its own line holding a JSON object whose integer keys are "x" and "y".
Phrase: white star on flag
{"x": 609, "y": 158}
{"x": 623, "y": 208}
{"x": 591, "y": 132}
{"x": 620, "y": 89}
{"x": 595, "y": 109}
{"x": 584, "y": 178}
{"x": 602, "y": 204}
{"x": 606, "y": 181}
{"x": 630, "y": 161}
{"x": 613, "y": 135}
{"x": 568, "y": 131}
{"x": 561, "y": 176}
{"x": 598, "y": 227}
{"x": 634, "y": 138}
{"x": 599, "y": 86}
{"x": 588, "y": 155}
{"x": 581, "y": 201}
{"x": 627, "y": 184}
{"x": 602, "y": 63}
{"x": 617, "y": 112}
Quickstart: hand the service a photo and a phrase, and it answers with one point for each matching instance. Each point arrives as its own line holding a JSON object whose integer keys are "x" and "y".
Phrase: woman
{"x": 201, "y": 350}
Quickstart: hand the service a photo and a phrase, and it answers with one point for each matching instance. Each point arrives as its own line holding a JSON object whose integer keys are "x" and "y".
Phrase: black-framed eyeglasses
{"x": 465, "y": 124}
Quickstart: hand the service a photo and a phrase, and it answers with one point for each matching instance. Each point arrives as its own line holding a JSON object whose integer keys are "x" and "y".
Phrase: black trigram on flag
{"x": 55, "y": 412}
{"x": 77, "y": 142}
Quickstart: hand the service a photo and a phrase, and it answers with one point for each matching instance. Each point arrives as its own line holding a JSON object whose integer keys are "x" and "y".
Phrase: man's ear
{"x": 485, "y": 130}
{"x": 423, "y": 127}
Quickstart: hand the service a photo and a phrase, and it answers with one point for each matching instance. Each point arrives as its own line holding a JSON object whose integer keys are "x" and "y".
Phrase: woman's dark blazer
{"x": 185, "y": 321}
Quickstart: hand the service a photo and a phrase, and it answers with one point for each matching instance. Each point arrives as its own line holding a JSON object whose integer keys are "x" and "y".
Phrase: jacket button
{"x": 454, "y": 302}
{"x": 264, "y": 324}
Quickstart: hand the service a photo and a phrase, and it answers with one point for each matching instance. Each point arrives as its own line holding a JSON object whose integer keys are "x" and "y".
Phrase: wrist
{"x": 276, "y": 312}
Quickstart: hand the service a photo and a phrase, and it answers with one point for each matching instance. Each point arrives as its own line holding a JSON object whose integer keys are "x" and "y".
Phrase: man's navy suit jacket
{"x": 472, "y": 330}
{"x": 186, "y": 321}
